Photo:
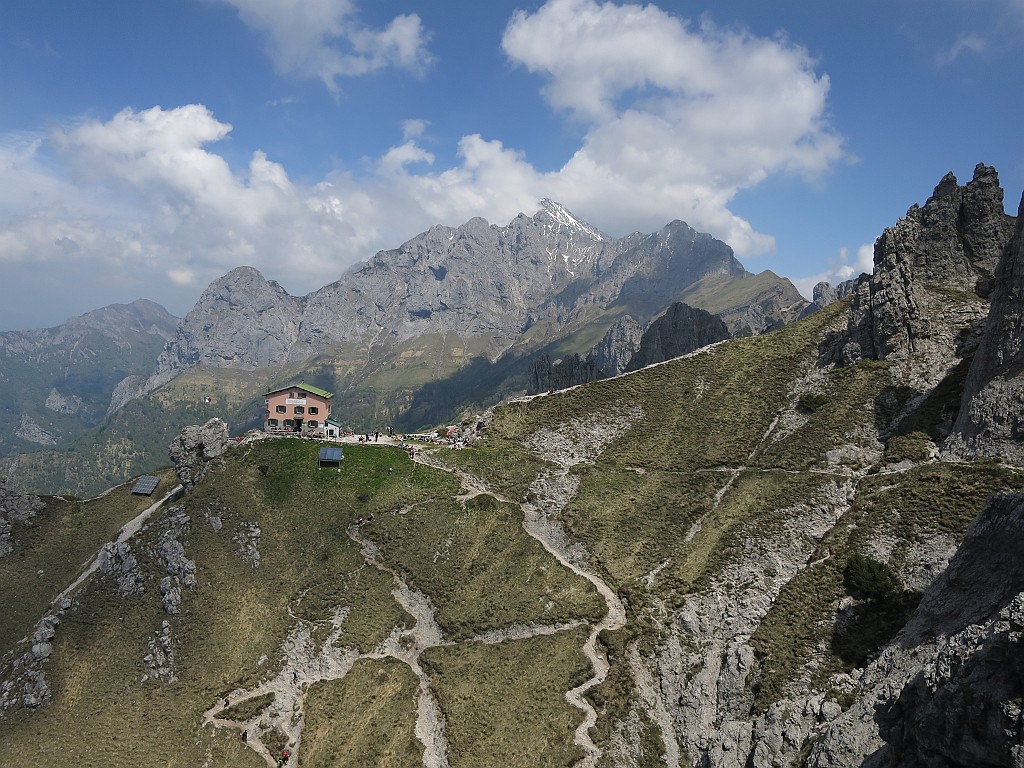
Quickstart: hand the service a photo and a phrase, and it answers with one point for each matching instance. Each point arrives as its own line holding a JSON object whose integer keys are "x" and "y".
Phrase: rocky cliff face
{"x": 930, "y": 272}
{"x": 681, "y": 330}
{"x": 613, "y": 353}
{"x": 991, "y": 419}
{"x": 947, "y": 691}
{"x": 608, "y": 357}
{"x": 242, "y": 320}
{"x": 825, "y": 294}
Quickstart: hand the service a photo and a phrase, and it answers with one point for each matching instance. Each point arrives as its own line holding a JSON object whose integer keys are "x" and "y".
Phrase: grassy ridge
{"x": 474, "y": 561}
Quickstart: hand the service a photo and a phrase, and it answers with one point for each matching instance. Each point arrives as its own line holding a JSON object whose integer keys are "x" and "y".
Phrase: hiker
{"x": 245, "y": 737}
{"x": 295, "y": 677}
{"x": 227, "y": 702}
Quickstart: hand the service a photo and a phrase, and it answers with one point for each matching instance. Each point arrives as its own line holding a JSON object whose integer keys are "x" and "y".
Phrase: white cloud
{"x": 181, "y": 276}
{"x": 966, "y": 42}
{"x": 147, "y": 192}
{"x": 413, "y": 129}
{"x": 678, "y": 120}
{"x": 325, "y": 38}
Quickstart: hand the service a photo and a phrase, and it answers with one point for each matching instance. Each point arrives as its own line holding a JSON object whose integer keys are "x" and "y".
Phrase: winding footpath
{"x": 304, "y": 664}
{"x": 540, "y": 523}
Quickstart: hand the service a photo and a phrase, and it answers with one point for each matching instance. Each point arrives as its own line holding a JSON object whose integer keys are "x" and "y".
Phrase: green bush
{"x": 865, "y": 578}
{"x": 915, "y": 446}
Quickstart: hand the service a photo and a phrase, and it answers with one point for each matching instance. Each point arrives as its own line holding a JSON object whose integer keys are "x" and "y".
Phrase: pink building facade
{"x": 297, "y": 408}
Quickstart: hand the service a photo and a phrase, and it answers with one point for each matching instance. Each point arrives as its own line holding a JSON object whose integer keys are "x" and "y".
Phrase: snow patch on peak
{"x": 561, "y": 217}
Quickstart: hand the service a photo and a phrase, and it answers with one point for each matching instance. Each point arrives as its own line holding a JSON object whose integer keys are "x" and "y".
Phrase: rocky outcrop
{"x": 681, "y": 330}
{"x": 117, "y": 560}
{"x": 929, "y": 269}
{"x": 991, "y": 419}
{"x": 608, "y": 357}
{"x": 24, "y": 683}
{"x": 60, "y": 403}
{"x": 29, "y": 430}
{"x": 825, "y": 294}
{"x": 194, "y": 449}
{"x": 181, "y": 571}
{"x": 613, "y": 353}
{"x": 947, "y": 691}
{"x": 15, "y": 508}
{"x": 568, "y": 372}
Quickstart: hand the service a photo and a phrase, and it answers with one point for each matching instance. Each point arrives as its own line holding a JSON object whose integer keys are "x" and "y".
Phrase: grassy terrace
{"x": 366, "y": 718}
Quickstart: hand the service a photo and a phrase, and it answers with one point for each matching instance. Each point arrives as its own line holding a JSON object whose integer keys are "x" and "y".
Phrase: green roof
{"x": 305, "y": 387}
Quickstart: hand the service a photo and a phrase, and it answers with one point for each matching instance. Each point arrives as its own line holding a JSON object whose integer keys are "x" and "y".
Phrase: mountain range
{"x": 448, "y": 323}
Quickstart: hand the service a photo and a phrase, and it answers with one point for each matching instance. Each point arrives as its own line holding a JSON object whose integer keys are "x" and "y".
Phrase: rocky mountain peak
{"x": 961, "y": 231}
{"x": 559, "y": 218}
{"x": 242, "y": 320}
{"x": 930, "y": 270}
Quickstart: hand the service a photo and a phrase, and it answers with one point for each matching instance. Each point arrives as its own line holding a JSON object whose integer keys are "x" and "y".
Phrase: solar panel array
{"x": 330, "y": 454}
{"x": 145, "y": 485}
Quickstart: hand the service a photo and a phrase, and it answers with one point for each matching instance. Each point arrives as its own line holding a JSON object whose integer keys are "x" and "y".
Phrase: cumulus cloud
{"x": 326, "y": 39}
{"x": 147, "y": 190}
{"x": 678, "y": 119}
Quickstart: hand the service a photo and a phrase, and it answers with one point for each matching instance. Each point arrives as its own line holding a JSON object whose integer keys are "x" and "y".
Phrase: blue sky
{"x": 146, "y": 148}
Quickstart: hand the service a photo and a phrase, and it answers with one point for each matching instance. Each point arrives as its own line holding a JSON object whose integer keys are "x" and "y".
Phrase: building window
{"x": 312, "y": 424}
{"x": 289, "y": 424}
{"x": 299, "y": 410}
{"x": 313, "y": 410}
{"x": 271, "y": 422}
{"x": 281, "y": 409}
